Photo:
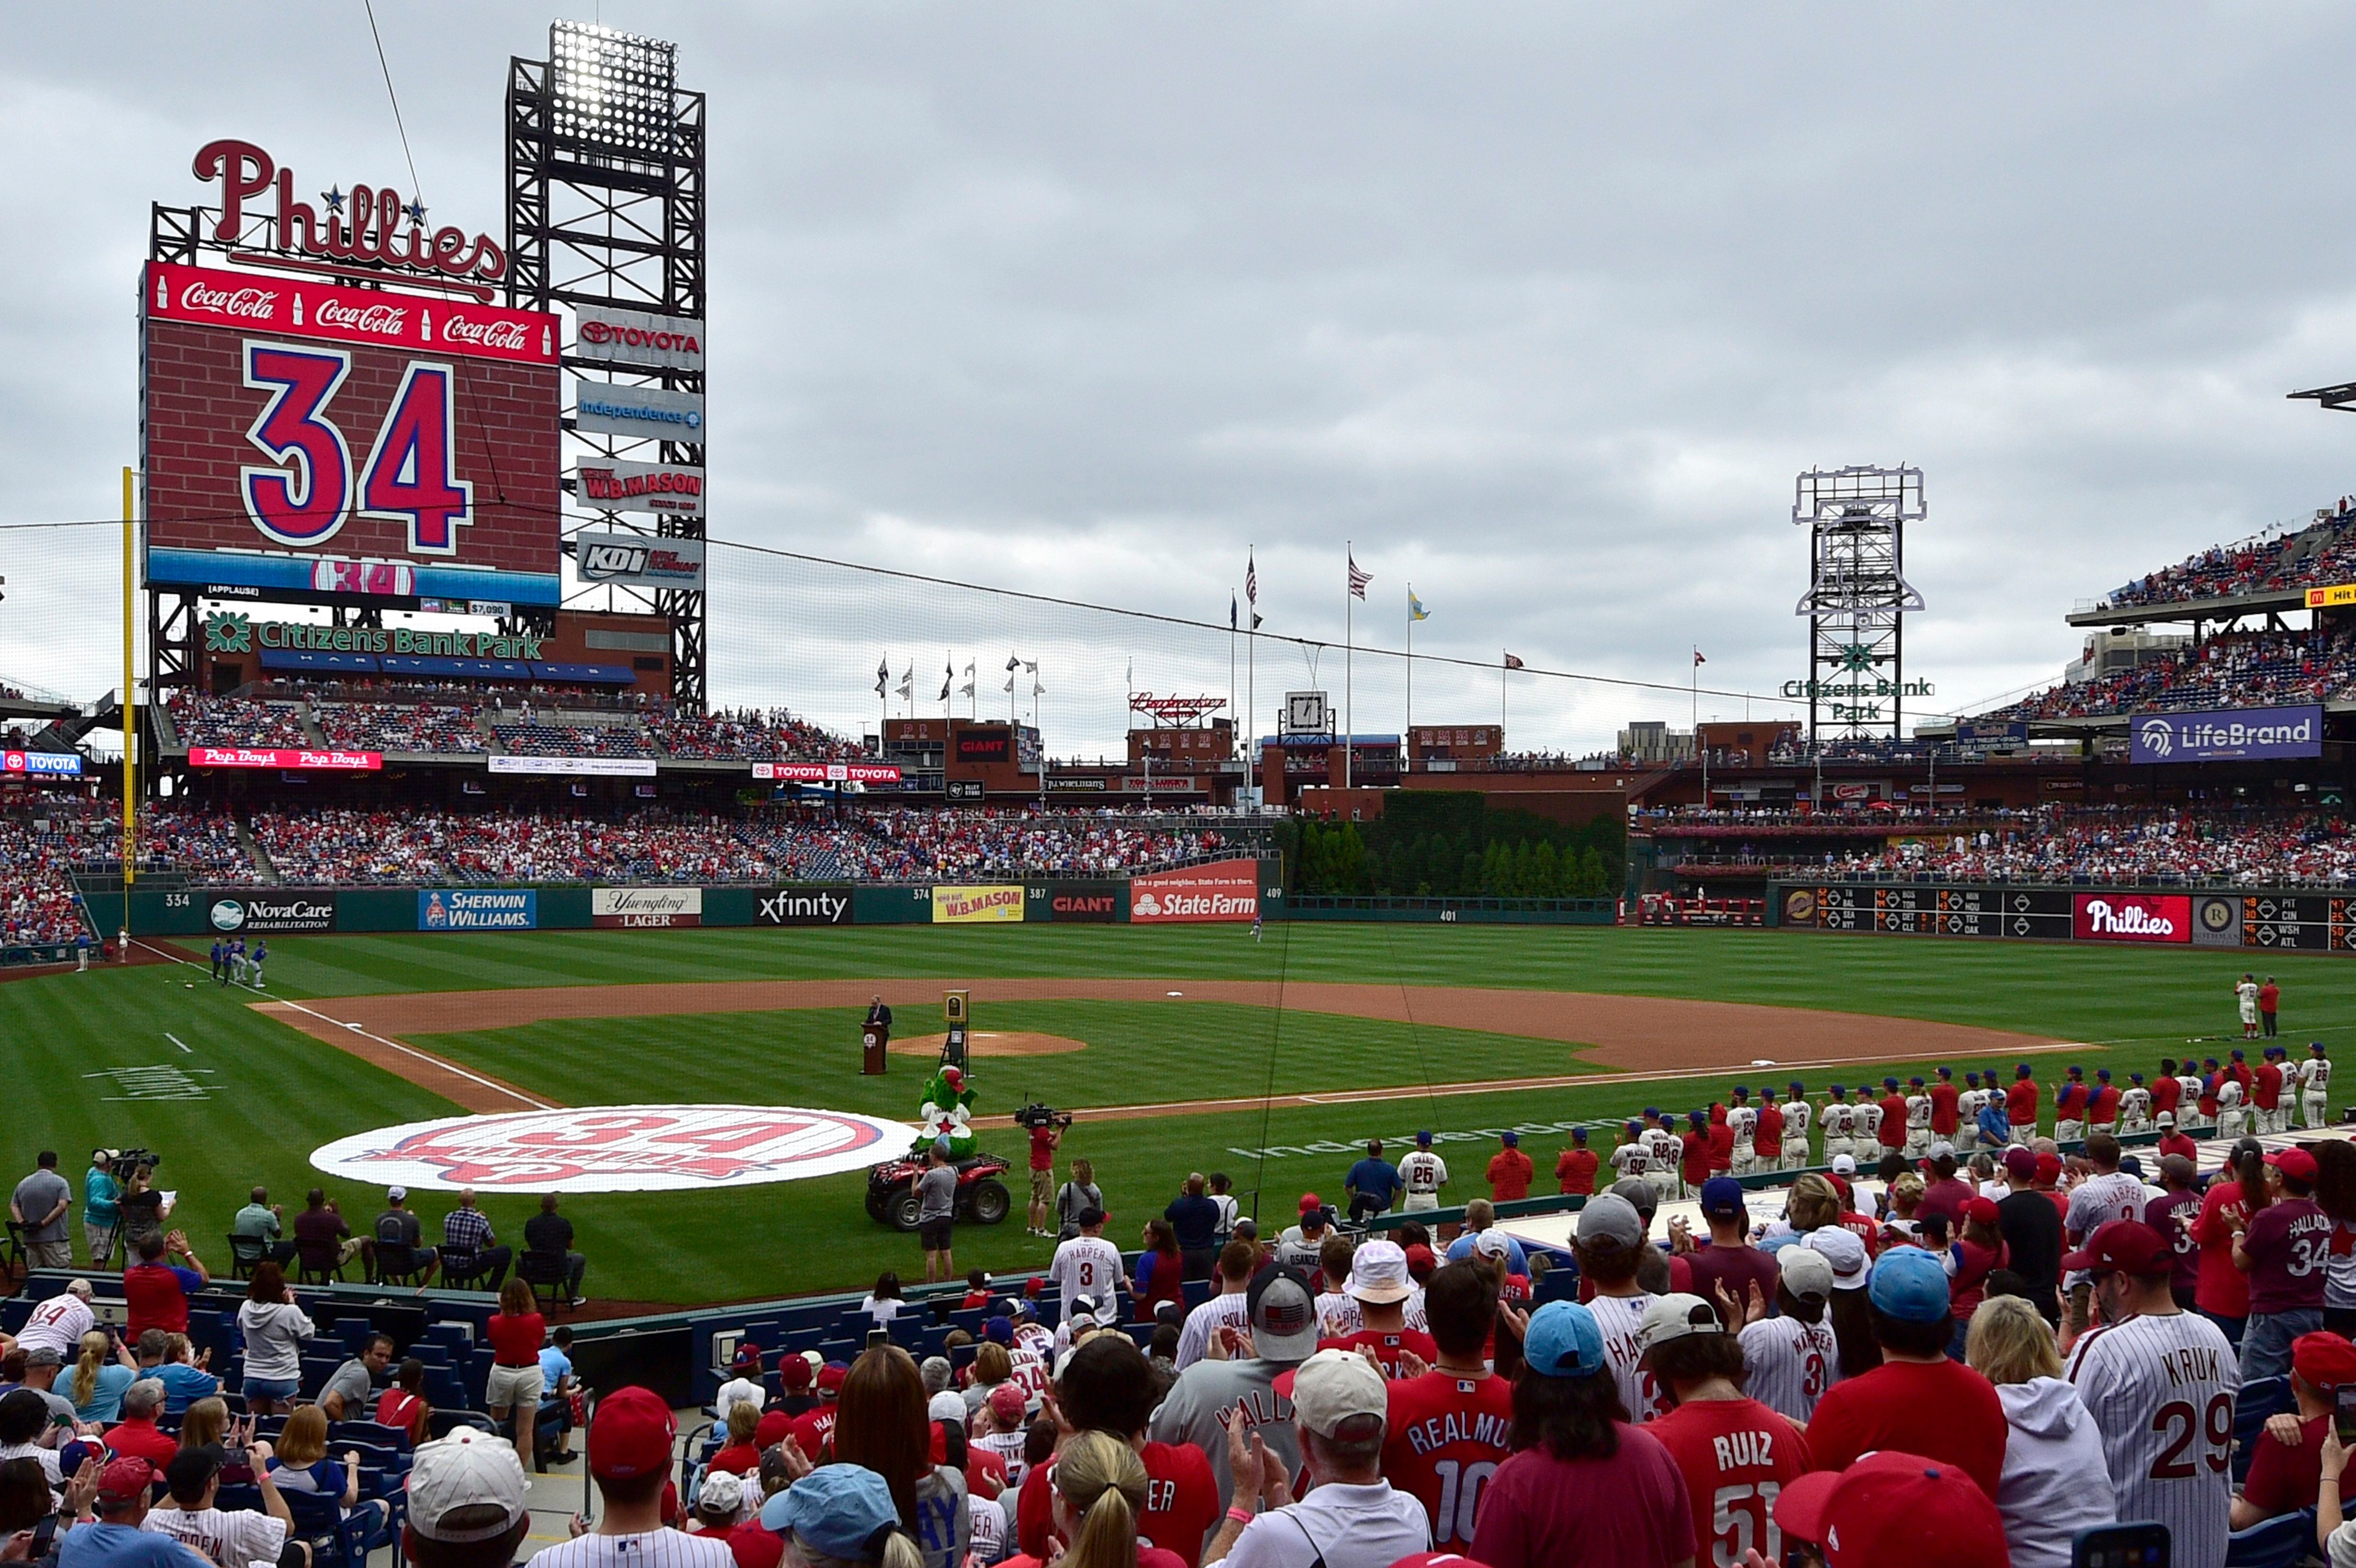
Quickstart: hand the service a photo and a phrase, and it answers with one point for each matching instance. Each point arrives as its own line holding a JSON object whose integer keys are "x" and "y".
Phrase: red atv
{"x": 981, "y": 1200}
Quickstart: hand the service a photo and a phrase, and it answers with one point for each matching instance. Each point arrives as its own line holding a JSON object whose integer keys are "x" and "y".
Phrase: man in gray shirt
{"x": 937, "y": 1212}
{"x": 1242, "y": 1369}
{"x": 351, "y": 1391}
{"x": 39, "y": 1205}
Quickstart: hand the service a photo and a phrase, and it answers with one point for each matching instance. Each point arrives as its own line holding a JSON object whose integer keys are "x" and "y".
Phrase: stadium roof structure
{"x": 2228, "y": 607}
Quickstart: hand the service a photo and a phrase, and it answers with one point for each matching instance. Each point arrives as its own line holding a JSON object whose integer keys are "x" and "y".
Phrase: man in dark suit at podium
{"x": 878, "y": 1015}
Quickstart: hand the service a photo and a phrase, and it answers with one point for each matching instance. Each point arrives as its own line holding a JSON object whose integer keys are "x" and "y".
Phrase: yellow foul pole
{"x": 130, "y": 703}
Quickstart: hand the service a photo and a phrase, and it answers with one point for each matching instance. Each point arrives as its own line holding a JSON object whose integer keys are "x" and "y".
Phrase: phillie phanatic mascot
{"x": 949, "y": 1103}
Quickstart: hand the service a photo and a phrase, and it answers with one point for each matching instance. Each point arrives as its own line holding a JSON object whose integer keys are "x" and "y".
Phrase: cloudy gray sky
{"x": 1542, "y": 305}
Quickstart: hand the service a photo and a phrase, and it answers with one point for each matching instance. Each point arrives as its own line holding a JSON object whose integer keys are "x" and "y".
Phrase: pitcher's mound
{"x": 991, "y": 1043}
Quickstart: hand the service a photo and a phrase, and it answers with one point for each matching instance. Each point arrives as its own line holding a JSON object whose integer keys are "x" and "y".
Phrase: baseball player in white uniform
{"x": 1424, "y": 1173}
{"x": 2245, "y": 1001}
{"x": 2161, "y": 1384}
{"x": 1797, "y": 1112}
{"x": 1668, "y": 1157}
{"x": 1742, "y": 1120}
{"x": 1865, "y": 1132}
{"x": 1630, "y": 1158}
{"x": 1918, "y": 1119}
{"x": 2232, "y": 1116}
{"x": 1967, "y": 1109}
{"x": 2188, "y": 1109}
{"x": 1840, "y": 1125}
{"x": 2314, "y": 1085}
{"x": 2135, "y": 1107}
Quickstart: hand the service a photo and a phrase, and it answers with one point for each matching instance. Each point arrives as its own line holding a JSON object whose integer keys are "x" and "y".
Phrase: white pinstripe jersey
{"x": 1743, "y": 1122}
{"x": 1221, "y": 1311}
{"x": 1796, "y": 1112}
{"x": 1620, "y": 1316}
{"x": 1790, "y": 1364}
{"x": 1918, "y": 1110}
{"x": 663, "y": 1548}
{"x": 2161, "y": 1391}
{"x": 1839, "y": 1118}
{"x": 2135, "y": 1105}
{"x": 2314, "y": 1074}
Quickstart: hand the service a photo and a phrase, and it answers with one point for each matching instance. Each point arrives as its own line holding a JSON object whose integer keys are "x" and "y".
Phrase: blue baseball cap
{"x": 1652, "y": 1110}
{"x": 1889, "y": 1084}
{"x": 1635, "y": 1127}
{"x": 2103, "y": 1073}
{"x": 2076, "y": 1070}
{"x": 1509, "y": 1137}
{"x": 1564, "y": 1341}
{"x": 2131, "y": 1077}
{"x": 1422, "y": 1138}
{"x": 1908, "y": 1284}
{"x": 1837, "y": 1090}
{"x": 1697, "y": 1117}
{"x": 1721, "y": 1199}
{"x": 1578, "y": 1134}
{"x": 1914, "y": 1082}
{"x": 1740, "y": 1090}
{"x": 2238, "y": 1056}
{"x": 1969, "y": 1077}
{"x": 1798, "y": 1087}
{"x": 999, "y": 1330}
{"x": 1946, "y": 1073}
{"x": 2021, "y": 1071}
{"x": 836, "y": 1509}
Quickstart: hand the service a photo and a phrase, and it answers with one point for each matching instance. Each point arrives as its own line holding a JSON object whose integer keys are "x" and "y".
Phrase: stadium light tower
{"x": 1857, "y": 596}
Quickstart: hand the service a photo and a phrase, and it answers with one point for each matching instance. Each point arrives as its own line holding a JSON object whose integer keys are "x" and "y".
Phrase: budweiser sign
{"x": 283, "y": 307}
{"x": 616, "y": 1148}
{"x": 2132, "y": 917}
{"x": 370, "y": 234}
{"x": 284, "y": 757}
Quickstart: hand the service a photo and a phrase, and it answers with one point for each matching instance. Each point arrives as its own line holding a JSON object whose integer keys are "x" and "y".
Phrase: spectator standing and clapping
{"x": 630, "y": 1439}
{"x": 1734, "y": 1452}
{"x": 1449, "y": 1420}
{"x": 274, "y": 1330}
{"x": 1302, "y": 1246}
{"x": 1351, "y": 1517}
{"x": 1729, "y": 1260}
{"x": 2031, "y": 1228}
{"x": 1225, "y": 1308}
{"x": 39, "y": 1204}
{"x": 1161, "y": 1271}
{"x": 2051, "y": 1445}
{"x": 1236, "y": 1386}
{"x": 550, "y": 1232}
{"x": 1793, "y": 1357}
{"x": 1088, "y": 1264}
{"x": 1584, "y": 1488}
{"x": 2283, "y": 1251}
{"x": 156, "y": 1294}
{"x": 1918, "y": 1401}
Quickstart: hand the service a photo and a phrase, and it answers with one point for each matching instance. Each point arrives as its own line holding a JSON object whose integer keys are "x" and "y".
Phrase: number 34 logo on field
{"x": 412, "y": 469}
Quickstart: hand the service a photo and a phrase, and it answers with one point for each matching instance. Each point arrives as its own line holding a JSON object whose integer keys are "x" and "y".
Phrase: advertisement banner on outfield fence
{"x": 1095, "y": 902}
{"x": 958, "y": 906}
{"x": 803, "y": 906}
{"x": 576, "y": 767}
{"x": 645, "y": 909}
{"x": 270, "y": 913}
{"x": 477, "y": 909}
{"x": 827, "y": 773}
{"x": 1225, "y": 890}
{"x": 616, "y": 1149}
{"x": 292, "y": 759}
{"x": 50, "y": 764}
{"x": 2226, "y": 735}
{"x": 2131, "y": 917}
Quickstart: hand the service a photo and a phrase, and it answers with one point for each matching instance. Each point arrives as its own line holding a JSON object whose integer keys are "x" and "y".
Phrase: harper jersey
{"x": 1620, "y": 1316}
{"x": 1086, "y": 1265}
{"x": 1791, "y": 1363}
{"x": 2162, "y": 1389}
{"x": 1443, "y": 1438}
{"x": 1424, "y": 1173}
{"x": 1796, "y": 1115}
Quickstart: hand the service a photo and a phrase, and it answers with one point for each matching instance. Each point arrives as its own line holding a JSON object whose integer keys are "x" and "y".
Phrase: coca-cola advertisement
{"x": 2131, "y": 917}
{"x": 291, "y": 422}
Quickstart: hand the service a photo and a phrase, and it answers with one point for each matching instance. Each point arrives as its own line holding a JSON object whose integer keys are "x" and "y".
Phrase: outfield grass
{"x": 274, "y": 1094}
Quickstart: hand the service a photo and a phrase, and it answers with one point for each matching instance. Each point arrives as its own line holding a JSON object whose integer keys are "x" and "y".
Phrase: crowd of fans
{"x": 2237, "y": 669}
{"x": 447, "y": 729}
{"x": 2169, "y": 846}
{"x": 532, "y": 739}
{"x": 2323, "y": 553}
{"x": 914, "y": 846}
{"x": 728, "y": 735}
{"x": 236, "y": 721}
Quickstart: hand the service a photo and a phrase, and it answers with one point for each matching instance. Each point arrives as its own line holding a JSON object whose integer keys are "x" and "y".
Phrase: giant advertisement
{"x": 477, "y": 909}
{"x": 2131, "y": 917}
{"x": 1100, "y": 902}
{"x": 960, "y": 906}
{"x": 1225, "y": 890}
{"x": 2227, "y": 735}
{"x": 305, "y": 439}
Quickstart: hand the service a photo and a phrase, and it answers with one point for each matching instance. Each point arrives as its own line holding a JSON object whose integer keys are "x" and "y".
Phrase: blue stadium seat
{"x": 2267, "y": 1397}
{"x": 2283, "y": 1542}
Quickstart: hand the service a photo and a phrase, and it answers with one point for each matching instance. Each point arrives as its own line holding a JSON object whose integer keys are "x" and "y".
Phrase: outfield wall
{"x": 2256, "y": 919}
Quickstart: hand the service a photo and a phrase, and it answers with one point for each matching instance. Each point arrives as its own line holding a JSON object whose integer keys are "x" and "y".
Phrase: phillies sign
{"x": 616, "y": 1148}
{"x": 2131, "y": 917}
{"x": 370, "y": 235}
{"x": 2224, "y": 735}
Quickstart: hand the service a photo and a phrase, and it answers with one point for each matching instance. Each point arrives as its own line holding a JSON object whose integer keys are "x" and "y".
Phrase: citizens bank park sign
{"x": 616, "y": 1148}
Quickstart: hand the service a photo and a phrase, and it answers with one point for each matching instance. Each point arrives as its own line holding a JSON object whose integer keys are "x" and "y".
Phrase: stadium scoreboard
{"x": 2260, "y": 919}
{"x": 1930, "y": 911}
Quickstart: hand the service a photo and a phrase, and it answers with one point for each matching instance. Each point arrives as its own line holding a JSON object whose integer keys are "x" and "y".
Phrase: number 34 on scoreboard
{"x": 410, "y": 475}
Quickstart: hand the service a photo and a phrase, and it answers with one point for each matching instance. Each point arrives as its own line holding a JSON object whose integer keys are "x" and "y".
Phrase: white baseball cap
{"x": 1379, "y": 1272}
{"x": 946, "y": 1405}
{"x": 1492, "y": 1245}
{"x": 467, "y": 1487}
{"x": 724, "y": 1491}
{"x": 1844, "y": 1165}
{"x": 1845, "y": 1252}
{"x": 1333, "y": 1386}
{"x": 396, "y": 1194}
{"x": 1807, "y": 1273}
{"x": 1677, "y": 1316}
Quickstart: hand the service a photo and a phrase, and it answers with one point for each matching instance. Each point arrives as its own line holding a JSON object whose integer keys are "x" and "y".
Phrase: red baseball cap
{"x": 630, "y": 1434}
{"x": 794, "y": 1371}
{"x": 1437, "y": 1560}
{"x": 1310, "y": 1203}
{"x": 1891, "y": 1508}
{"x": 2048, "y": 1168}
{"x": 126, "y": 1480}
{"x": 2325, "y": 1361}
{"x": 831, "y": 1376}
{"x": 1982, "y": 1209}
{"x": 2295, "y": 1163}
{"x": 2125, "y": 1246}
{"x": 1420, "y": 1262}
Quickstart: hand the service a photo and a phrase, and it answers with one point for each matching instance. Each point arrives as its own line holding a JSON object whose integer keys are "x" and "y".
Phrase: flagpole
{"x": 1695, "y": 720}
{"x": 1251, "y": 673}
{"x": 1349, "y": 729}
{"x": 1406, "y": 722}
{"x": 1502, "y": 668}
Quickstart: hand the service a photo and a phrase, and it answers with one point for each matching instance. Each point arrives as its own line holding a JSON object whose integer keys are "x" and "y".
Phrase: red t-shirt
{"x": 1942, "y": 1410}
{"x": 2283, "y": 1479}
{"x": 2020, "y": 1110}
{"x": 2166, "y": 1092}
{"x": 1973, "y": 1265}
{"x": 2173, "y": 1141}
{"x": 1575, "y": 1169}
{"x": 2104, "y": 1108}
{"x": 2269, "y": 999}
{"x": 2269, "y": 1087}
{"x": 974, "y": 1298}
{"x": 1944, "y": 1117}
{"x": 1509, "y": 1174}
{"x": 1736, "y": 1455}
{"x": 1893, "y": 1121}
{"x": 1042, "y": 1149}
{"x": 2221, "y": 1288}
{"x": 1538, "y": 1511}
{"x": 776, "y": 1426}
{"x": 140, "y": 1440}
{"x": 2288, "y": 1243}
{"x": 736, "y": 1459}
{"x": 985, "y": 1470}
{"x": 1442, "y": 1431}
{"x": 1387, "y": 1346}
{"x": 1696, "y": 1163}
{"x": 2173, "y": 1214}
{"x": 1864, "y": 1230}
{"x": 155, "y": 1296}
{"x": 397, "y": 1408}
{"x": 813, "y": 1430}
{"x": 1182, "y": 1504}
{"x": 515, "y": 1337}
{"x": 1721, "y": 1147}
{"x": 1738, "y": 1267}
{"x": 1769, "y": 1138}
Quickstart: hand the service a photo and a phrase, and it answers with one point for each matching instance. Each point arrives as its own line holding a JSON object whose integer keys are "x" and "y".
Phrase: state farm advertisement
{"x": 281, "y": 757}
{"x": 2131, "y": 917}
{"x": 646, "y": 909}
{"x": 1225, "y": 890}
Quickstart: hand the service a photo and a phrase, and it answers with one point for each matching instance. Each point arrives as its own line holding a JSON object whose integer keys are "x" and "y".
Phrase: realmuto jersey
{"x": 1422, "y": 1172}
{"x": 1631, "y": 1160}
{"x": 1620, "y": 1316}
{"x": 2161, "y": 1390}
{"x": 1918, "y": 1110}
{"x": 1790, "y": 1364}
{"x": 1796, "y": 1112}
{"x": 1444, "y": 1437}
{"x": 2135, "y": 1105}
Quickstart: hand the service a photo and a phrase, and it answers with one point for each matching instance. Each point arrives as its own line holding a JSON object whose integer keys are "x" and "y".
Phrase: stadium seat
{"x": 346, "y": 1433}
{"x": 336, "y": 1540}
{"x": 245, "y": 1253}
{"x": 2259, "y": 1400}
{"x": 544, "y": 1271}
{"x": 2283, "y": 1542}
{"x": 397, "y": 1264}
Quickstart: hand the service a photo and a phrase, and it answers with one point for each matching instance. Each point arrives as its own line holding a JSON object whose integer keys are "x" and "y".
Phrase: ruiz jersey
{"x": 1443, "y": 1438}
{"x": 1791, "y": 1363}
{"x": 1631, "y": 1160}
{"x": 2161, "y": 1390}
{"x": 1736, "y": 1455}
{"x": 1918, "y": 1110}
{"x": 1620, "y": 1316}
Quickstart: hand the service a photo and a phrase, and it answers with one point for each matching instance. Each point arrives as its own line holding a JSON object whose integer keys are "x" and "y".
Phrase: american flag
{"x": 1358, "y": 579}
{"x": 1251, "y": 580}
{"x": 1513, "y": 663}
{"x": 1698, "y": 658}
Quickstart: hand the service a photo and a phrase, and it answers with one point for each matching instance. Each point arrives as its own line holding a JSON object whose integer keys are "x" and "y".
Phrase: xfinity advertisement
{"x": 2226, "y": 735}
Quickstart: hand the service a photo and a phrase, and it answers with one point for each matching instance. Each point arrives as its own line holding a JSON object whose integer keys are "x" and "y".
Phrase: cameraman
{"x": 1046, "y": 1135}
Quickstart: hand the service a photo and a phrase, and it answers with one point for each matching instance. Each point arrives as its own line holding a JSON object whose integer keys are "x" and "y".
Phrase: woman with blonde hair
{"x": 206, "y": 1424}
{"x": 2051, "y": 1445}
{"x": 1098, "y": 1491}
{"x": 100, "y": 1374}
{"x": 1813, "y": 1204}
{"x": 299, "y": 1463}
